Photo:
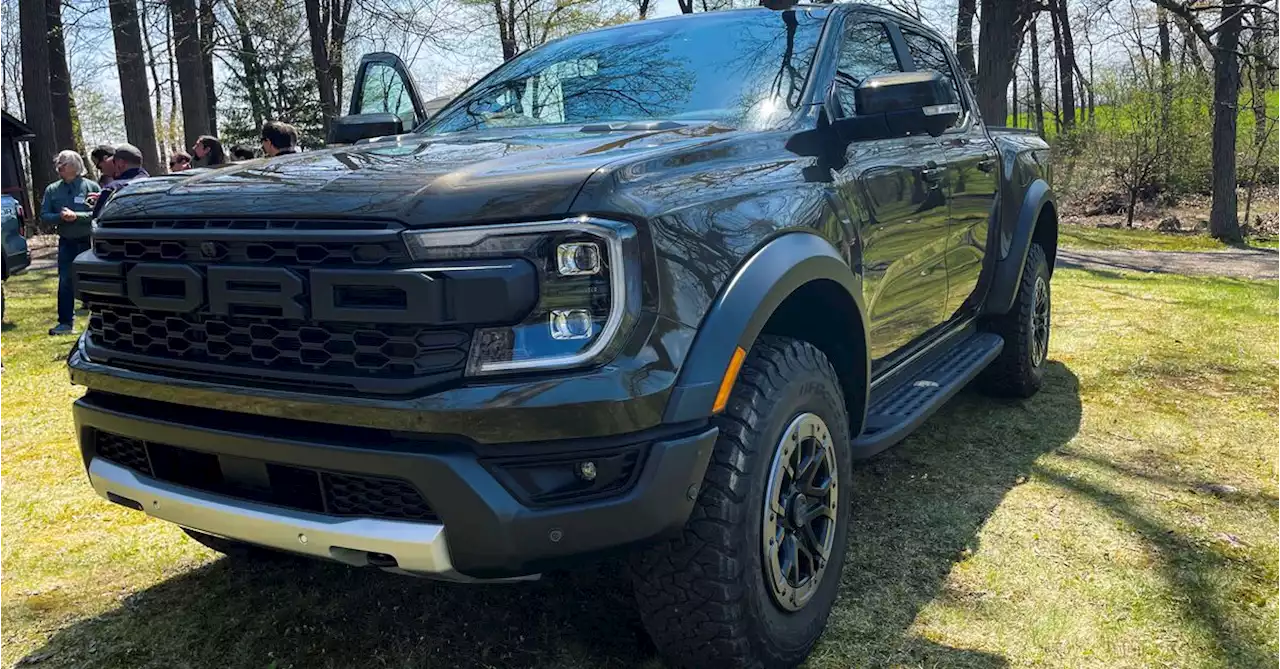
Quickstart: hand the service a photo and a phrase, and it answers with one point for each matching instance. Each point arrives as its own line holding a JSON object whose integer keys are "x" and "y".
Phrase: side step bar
{"x": 898, "y": 411}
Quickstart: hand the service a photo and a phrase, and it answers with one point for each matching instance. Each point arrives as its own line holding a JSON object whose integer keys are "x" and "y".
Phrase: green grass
{"x": 1069, "y": 530}
{"x": 1084, "y": 237}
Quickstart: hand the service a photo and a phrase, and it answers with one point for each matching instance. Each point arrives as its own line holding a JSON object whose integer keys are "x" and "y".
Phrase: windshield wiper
{"x": 631, "y": 126}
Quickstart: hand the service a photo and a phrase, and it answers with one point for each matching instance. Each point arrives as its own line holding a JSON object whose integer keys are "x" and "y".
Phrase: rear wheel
{"x": 1019, "y": 371}
{"x": 752, "y": 579}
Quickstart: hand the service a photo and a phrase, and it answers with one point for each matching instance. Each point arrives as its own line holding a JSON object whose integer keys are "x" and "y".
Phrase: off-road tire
{"x": 703, "y": 596}
{"x": 1018, "y": 371}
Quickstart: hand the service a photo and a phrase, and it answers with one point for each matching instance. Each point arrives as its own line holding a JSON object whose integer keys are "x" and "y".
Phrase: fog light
{"x": 571, "y": 324}
{"x": 587, "y": 471}
{"x": 578, "y": 259}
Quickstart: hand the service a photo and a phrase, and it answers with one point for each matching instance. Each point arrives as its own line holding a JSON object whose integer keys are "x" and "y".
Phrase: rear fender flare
{"x": 745, "y": 305}
{"x": 1008, "y": 271}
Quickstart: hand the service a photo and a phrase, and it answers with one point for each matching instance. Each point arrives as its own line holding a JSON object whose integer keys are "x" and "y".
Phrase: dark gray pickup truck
{"x": 650, "y": 289}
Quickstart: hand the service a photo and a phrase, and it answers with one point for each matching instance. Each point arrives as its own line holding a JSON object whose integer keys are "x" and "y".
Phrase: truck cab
{"x": 649, "y": 289}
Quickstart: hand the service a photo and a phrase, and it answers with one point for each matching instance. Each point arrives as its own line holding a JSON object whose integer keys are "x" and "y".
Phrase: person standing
{"x": 101, "y": 159}
{"x": 68, "y": 205}
{"x": 278, "y": 139}
{"x": 127, "y": 166}
{"x": 208, "y": 152}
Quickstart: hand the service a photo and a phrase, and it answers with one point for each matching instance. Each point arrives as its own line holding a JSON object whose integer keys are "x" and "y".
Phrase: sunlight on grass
{"x": 1080, "y": 528}
{"x": 1083, "y": 237}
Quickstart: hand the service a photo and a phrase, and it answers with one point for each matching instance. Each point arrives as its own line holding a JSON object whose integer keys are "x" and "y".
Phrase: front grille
{"x": 245, "y": 252}
{"x": 257, "y": 345}
{"x": 302, "y": 488}
{"x": 383, "y": 350}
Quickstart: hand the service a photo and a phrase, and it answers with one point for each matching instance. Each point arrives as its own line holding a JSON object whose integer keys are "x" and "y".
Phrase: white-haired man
{"x": 67, "y": 205}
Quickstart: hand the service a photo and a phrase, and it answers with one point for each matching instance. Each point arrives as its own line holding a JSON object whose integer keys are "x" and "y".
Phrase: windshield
{"x": 740, "y": 68}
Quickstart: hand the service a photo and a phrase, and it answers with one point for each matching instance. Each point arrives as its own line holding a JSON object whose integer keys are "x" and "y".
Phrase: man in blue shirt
{"x": 67, "y": 204}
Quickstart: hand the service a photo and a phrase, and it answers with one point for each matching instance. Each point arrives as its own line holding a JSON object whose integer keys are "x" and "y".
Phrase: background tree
{"x": 32, "y": 16}
{"x": 65, "y": 125}
{"x": 195, "y": 102}
{"x": 138, "y": 124}
{"x": 327, "y": 29}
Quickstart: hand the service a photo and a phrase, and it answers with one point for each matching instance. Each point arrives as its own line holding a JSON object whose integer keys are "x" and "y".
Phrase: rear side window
{"x": 866, "y": 52}
{"x": 930, "y": 55}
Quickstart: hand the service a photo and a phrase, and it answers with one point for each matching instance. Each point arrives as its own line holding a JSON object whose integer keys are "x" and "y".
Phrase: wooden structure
{"x": 13, "y": 177}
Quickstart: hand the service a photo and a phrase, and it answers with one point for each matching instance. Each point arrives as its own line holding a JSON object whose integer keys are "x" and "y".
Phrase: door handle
{"x": 987, "y": 164}
{"x": 932, "y": 172}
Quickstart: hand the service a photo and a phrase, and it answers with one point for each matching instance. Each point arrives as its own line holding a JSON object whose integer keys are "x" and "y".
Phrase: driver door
{"x": 383, "y": 86}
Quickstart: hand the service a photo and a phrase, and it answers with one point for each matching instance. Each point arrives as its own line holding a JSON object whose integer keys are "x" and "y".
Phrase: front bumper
{"x": 485, "y": 530}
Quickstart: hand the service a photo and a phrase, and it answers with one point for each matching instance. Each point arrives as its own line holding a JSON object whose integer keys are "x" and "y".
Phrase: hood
{"x": 468, "y": 177}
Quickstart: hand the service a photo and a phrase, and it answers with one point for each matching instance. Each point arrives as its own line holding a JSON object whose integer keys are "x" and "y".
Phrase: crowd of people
{"x": 71, "y": 203}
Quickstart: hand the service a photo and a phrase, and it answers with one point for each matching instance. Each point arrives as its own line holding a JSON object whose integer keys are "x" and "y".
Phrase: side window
{"x": 929, "y": 55}
{"x": 384, "y": 91}
{"x": 866, "y": 52}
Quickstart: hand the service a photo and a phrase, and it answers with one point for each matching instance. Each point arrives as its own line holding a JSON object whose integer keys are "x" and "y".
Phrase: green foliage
{"x": 282, "y": 78}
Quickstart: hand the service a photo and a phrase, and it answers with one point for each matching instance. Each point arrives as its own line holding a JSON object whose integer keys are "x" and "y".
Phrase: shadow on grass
{"x": 918, "y": 509}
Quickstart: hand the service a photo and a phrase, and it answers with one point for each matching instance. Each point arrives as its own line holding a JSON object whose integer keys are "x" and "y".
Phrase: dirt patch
{"x": 1244, "y": 264}
{"x": 1106, "y": 208}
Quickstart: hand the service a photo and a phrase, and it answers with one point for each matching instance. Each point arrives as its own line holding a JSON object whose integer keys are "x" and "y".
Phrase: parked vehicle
{"x": 14, "y": 257}
{"x": 651, "y": 288}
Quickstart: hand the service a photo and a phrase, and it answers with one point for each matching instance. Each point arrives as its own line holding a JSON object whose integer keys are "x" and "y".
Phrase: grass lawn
{"x": 1124, "y": 517}
{"x": 1085, "y": 237}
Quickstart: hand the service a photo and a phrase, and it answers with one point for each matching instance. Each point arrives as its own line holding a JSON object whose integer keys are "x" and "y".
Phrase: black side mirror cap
{"x": 352, "y": 128}
{"x": 897, "y": 105}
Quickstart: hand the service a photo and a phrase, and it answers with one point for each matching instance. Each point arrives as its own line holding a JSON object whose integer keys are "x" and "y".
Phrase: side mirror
{"x": 352, "y": 128}
{"x": 897, "y": 105}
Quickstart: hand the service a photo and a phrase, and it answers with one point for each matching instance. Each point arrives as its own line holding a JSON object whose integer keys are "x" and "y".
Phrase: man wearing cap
{"x": 126, "y": 164}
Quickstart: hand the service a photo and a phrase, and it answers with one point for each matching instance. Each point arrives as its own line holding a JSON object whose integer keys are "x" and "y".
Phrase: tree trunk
{"x": 1037, "y": 98}
{"x": 133, "y": 81}
{"x": 64, "y": 128}
{"x": 1064, "y": 48}
{"x": 1133, "y": 204}
{"x": 1000, "y": 33}
{"x": 208, "y": 23}
{"x": 337, "y": 46}
{"x": 195, "y": 103}
{"x": 643, "y": 7}
{"x": 1223, "y": 223}
{"x": 1162, "y": 28}
{"x": 157, "y": 92}
{"x": 318, "y": 30}
{"x": 33, "y": 26}
{"x": 506, "y": 28}
{"x": 1261, "y": 80}
{"x": 686, "y": 6}
{"x": 1014, "y": 99}
{"x": 259, "y": 107}
{"x": 964, "y": 36}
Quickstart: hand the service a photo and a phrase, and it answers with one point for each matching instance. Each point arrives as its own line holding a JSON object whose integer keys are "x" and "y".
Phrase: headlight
{"x": 588, "y": 290}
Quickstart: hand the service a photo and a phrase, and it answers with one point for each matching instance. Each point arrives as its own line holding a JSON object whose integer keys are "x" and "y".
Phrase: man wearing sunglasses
{"x": 102, "y": 161}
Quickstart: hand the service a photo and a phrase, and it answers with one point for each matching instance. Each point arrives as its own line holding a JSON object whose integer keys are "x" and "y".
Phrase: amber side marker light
{"x": 730, "y": 375}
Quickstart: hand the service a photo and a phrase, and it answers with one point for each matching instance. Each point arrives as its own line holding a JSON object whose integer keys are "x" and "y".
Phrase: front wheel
{"x": 753, "y": 577}
{"x": 1019, "y": 371}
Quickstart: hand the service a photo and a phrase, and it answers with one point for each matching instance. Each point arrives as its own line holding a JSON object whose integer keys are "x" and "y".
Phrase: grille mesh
{"x": 333, "y": 493}
{"x": 310, "y": 254}
{"x": 131, "y": 453}
{"x": 345, "y": 349}
{"x": 368, "y": 496}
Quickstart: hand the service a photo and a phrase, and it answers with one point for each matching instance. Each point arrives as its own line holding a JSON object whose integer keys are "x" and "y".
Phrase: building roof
{"x": 15, "y": 128}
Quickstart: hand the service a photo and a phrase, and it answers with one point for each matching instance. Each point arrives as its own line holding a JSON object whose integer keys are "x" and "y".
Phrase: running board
{"x": 898, "y": 411}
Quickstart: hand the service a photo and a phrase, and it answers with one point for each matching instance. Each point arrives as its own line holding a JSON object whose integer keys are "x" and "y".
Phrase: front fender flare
{"x": 1008, "y": 271}
{"x": 743, "y": 308}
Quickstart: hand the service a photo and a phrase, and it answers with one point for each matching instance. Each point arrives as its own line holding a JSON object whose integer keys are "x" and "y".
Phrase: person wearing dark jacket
{"x": 67, "y": 204}
{"x": 127, "y": 165}
{"x": 278, "y": 139}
